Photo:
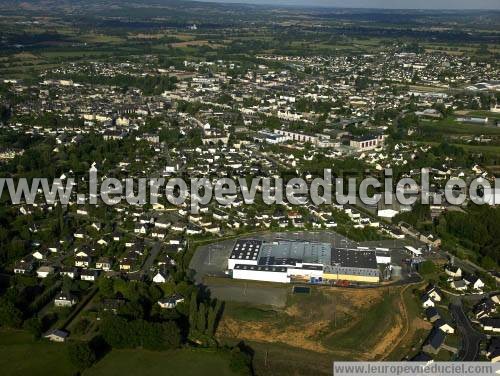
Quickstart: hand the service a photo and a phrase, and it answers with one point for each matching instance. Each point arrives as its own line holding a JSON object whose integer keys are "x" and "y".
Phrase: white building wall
{"x": 256, "y": 275}
{"x": 383, "y": 259}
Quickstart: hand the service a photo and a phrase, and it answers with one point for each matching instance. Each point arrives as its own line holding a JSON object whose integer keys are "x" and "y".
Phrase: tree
{"x": 5, "y": 114}
{"x": 34, "y": 326}
{"x": 115, "y": 331}
{"x": 212, "y": 315}
{"x": 10, "y": 315}
{"x": 106, "y": 287}
{"x": 427, "y": 267}
{"x": 488, "y": 263}
{"x": 201, "y": 322}
{"x": 81, "y": 355}
{"x": 193, "y": 310}
{"x": 171, "y": 334}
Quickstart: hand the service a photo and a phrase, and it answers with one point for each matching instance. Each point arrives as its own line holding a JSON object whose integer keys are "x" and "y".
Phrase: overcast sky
{"x": 394, "y": 4}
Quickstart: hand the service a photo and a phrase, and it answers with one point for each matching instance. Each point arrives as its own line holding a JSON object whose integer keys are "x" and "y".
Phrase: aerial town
{"x": 235, "y": 288}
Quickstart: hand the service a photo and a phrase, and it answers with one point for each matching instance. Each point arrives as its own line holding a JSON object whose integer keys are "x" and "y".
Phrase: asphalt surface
{"x": 153, "y": 254}
{"x": 261, "y": 295}
{"x": 471, "y": 338}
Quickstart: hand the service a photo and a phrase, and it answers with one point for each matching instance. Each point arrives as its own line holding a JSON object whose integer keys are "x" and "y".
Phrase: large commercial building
{"x": 284, "y": 261}
{"x": 352, "y": 265}
{"x": 367, "y": 142}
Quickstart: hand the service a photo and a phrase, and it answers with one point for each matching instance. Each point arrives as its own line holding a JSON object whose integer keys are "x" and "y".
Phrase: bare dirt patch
{"x": 306, "y": 320}
{"x": 300, "y": 336}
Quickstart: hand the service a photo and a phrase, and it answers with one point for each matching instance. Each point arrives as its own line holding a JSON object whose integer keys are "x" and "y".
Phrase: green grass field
{"x": 170, "y": 363}
{"x": 489, "y": 149}
{"x": 21, "y": 355}
{"x": 450, "y": 127}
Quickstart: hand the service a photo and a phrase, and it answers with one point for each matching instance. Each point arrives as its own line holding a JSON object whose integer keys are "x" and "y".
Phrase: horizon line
{"x": 286, "y": 4}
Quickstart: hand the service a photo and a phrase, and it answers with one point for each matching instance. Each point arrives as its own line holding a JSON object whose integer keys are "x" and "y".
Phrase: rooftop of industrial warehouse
{"x": 354, "y": 258}
{"x": 293, "y": 252}
{"x": 285, "y": 252}
{"x": 246, "y": 249}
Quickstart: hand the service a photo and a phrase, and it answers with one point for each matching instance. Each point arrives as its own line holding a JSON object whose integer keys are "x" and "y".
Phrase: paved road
{"x": 471, "y": 338}
{"x": 153, "y": 254}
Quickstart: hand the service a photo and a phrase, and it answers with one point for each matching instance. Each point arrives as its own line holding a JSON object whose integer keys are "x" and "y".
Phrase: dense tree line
{"x": 203, "y": 318}
{"x": 119, "y": 332}
{"x": 476, "y": 230}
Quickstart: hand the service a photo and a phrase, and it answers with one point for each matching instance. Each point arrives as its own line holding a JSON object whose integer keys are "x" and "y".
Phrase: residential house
{"x": 64, "y": 300}
{"x": 163, "y": 223}
{"x": 493, "y": 351}
{"x": 83, "y": 261}
{"x": 140, "y": 228}
{"x": 23, "y": 267}
{"x": 117, "y": 236}
{"x": 89, "y": 275}
{"x": 54, "y": 249}
{"x": 171, "y": 301}
{"x": 45, "y": 271}
{"x": 126, "y": 265}
{"x": 430, "y": 239}
{"x": 159, "y": 233}
{"x": 453, "y": 271}
{"x": 490, "y": 324}
{"x": 41, "y": 254}
{"x": 56, "y": 335}
{"x": 69, "y": 272}
{"x": 444, "y": 326}
{"x": 459, "y": 285}
{"x": 432, "y": 314}
{"x": 193, "y": 229}
{"x": 434, "y": 341}
{"x": 422, "y": 357}
{"x": 160, "y": 277}
{"x": 495, "y": 298}
{"x": 103, "y": 263}
{"x": 473, "y": 282}
{"x": 178, "y": 227}
{"x": 484, "y": 308}
{"x": 433, "y": 292}
{"x": 427, "y": 301}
